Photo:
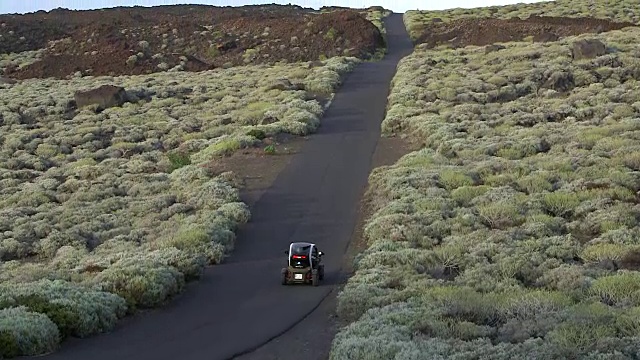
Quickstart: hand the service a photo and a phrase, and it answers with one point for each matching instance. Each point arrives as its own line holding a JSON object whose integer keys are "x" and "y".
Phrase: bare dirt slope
{"x": 140, "y": 40}
{"x": 484, "y": 31}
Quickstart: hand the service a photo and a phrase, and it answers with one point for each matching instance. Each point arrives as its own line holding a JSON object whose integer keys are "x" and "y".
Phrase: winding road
{"x": 240, "y": 305}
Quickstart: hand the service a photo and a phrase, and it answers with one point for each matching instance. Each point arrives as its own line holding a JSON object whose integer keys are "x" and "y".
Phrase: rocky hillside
{"x": 139, "y": 40}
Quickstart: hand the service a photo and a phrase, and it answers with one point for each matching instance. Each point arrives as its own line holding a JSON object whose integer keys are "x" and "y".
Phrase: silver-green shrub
{"x": 77, "y": 310}
{"x": 25, "y": 332}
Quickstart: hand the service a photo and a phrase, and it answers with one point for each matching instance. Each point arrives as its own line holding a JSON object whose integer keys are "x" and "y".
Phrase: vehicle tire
{"x": 284, "y": 277}
{"x": 315, "y": 281}
{"x": 321, "y": 272}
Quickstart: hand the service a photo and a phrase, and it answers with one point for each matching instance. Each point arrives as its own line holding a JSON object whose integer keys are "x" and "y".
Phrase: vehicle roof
{"x": 302, "y": 243}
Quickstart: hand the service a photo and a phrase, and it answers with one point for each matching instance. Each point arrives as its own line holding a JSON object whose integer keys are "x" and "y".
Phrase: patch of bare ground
{"x": 311, "y": 338}
{"x": 255, "y": 168}
{"x": 388, "y": 151}
{"x": 485, "y": 31}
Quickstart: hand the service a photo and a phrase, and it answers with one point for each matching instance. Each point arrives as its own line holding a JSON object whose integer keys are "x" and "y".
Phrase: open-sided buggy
{"x": 303, "y": 264}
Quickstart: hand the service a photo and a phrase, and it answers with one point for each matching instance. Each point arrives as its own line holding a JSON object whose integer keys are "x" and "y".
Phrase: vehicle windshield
{"x": 300, "y": 256}
{"x": 300, "y": 249}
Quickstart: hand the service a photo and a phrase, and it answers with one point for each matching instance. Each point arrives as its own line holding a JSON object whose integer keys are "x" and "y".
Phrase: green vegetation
{"x": 331, "y": 34}
{"x": 105, "y": 213}
{"x": 19, "y": 59}
{"x": 513, "y": 233}
{"x": 213, "y": 52}
{"x": 615, "y": 10}
{"x": 178, "y": 159}
{"x": 270, "y": 149}
{"x": 376, "y": 15}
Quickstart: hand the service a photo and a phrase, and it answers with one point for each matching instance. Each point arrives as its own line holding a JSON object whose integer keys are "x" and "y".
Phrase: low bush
{"x": 25, "y": 332}
{"x": 76, "y": 310}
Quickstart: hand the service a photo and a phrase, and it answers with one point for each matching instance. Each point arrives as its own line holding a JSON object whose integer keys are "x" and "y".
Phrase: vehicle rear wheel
{"x": 284, "y": 277}
{"x": 315, "y": 278}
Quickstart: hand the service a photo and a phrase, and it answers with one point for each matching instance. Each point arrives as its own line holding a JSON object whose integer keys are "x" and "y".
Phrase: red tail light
{"x": 299, "y": 257}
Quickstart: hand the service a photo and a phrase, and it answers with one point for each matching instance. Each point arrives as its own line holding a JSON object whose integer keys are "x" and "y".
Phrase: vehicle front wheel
{"x": 315, "y": 278}
{"x": 321, "y": 272}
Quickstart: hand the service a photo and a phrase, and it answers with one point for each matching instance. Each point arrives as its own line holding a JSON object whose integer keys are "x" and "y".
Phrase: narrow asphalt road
{"x": 240, "y": 305}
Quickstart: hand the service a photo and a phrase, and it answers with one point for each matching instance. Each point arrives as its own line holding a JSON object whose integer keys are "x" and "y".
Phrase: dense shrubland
{"x": 513, "y": 233}
{"x": 615, "y": 10}
{"x": 103, "y": 213}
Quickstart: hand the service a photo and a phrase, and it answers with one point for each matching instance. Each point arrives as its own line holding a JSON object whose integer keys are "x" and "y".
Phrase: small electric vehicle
{"x": 303, "y": 264}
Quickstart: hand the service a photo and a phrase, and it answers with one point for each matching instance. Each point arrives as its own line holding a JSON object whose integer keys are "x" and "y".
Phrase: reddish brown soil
{"x": 485, "y": 31}
{"x": 99, "y": 42}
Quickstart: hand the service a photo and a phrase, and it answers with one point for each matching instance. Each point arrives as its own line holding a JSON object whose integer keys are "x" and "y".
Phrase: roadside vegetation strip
{"x": 416, "y": 21}
{"x": 105, "y": 213}
{"x": 513, "y": 232}
{"x": 377, "y": 15}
